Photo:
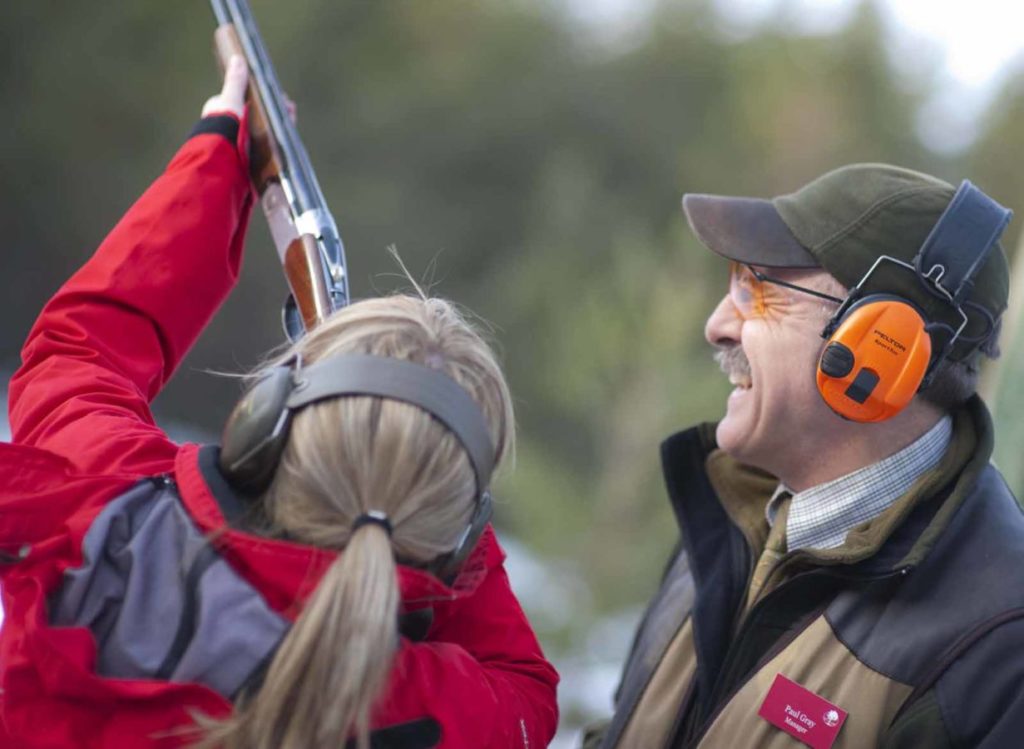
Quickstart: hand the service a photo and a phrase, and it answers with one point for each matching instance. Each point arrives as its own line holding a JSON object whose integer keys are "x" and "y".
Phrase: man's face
{"x": 769, "y": 341}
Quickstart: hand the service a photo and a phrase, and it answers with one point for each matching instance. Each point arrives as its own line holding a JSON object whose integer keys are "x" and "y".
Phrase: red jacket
{"x": 83, "y": 435}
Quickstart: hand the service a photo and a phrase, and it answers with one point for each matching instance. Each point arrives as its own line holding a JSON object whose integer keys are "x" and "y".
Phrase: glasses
{"x": 754, "y": 294}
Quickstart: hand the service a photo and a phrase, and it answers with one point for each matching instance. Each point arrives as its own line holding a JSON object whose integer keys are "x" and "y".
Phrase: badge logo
{"x": 831, "y": 718}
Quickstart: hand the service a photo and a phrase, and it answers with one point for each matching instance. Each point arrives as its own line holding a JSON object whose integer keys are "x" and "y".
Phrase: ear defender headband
{"x": 257, "y": 430}
{"x": 880, "y": 349}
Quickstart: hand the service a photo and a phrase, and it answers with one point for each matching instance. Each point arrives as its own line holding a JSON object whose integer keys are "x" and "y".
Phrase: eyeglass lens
{"x": 746, "y": 292}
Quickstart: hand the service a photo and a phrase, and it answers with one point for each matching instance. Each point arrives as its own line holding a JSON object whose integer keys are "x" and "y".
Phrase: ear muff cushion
{"x": 256, "y": 432}
{"x": 885, "y": 351}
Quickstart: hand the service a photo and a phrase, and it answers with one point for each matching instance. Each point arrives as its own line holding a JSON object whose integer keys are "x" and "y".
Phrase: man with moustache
{"x": 839, "y": 582}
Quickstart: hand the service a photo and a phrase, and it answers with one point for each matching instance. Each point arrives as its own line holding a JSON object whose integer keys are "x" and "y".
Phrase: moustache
{"x": 733, "y": 361}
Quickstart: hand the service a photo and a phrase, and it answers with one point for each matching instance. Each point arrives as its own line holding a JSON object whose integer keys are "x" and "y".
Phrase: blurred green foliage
{"x": 523, "y": 167}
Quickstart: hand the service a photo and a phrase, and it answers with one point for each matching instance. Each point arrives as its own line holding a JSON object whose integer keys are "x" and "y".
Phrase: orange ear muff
{"x": 875, "y": 361}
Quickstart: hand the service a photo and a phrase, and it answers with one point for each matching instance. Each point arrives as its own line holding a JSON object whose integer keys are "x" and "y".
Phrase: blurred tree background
{"x": 523, "y": 166}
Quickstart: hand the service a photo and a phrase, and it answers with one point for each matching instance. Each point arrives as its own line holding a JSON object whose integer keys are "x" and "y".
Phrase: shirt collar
{"x": 820, "y": 517}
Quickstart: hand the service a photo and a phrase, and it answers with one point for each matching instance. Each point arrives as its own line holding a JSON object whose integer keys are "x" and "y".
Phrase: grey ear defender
{"x": 257, "y": 430}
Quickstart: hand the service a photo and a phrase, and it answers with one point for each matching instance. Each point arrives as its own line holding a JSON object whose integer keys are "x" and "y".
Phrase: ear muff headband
{"x": 257, "y": 429}
{"x": 429, "y": 389}
{"x": 880, "y": 348}
{"x": 957, "y": 246}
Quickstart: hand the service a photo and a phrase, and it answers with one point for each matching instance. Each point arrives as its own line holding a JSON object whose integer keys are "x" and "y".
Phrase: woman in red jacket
{"x": 159, "y": 595}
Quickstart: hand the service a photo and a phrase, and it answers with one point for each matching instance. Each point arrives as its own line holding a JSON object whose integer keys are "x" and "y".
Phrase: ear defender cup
{"x": 256, "y": 432}
{"x": 875, "y": 361}
{"x": 447, "y": 566}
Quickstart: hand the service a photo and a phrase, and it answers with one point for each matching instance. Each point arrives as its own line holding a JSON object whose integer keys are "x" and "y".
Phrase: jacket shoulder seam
{"x": 849, "y": 648}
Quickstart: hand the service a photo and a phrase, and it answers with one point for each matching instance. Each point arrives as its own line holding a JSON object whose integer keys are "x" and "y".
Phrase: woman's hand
{"x": 232, "y": 96}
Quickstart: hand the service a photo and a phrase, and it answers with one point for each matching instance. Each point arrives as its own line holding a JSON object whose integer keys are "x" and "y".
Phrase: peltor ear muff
{"x": 876, "y": 359}
{"x": 879, "y": 349}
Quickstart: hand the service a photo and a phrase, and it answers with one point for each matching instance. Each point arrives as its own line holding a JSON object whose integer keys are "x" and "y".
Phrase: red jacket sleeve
{"x": 481, "y": 674}
{"x": 110, "y": 338}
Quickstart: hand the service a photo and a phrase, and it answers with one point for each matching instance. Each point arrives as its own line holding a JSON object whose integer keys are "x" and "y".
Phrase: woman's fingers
{"x": 232, "y": 95}
{"x": 235, "y": 78}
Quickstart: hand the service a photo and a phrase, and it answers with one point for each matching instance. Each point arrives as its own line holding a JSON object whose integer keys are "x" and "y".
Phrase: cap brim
{"x": 747, "y": 230}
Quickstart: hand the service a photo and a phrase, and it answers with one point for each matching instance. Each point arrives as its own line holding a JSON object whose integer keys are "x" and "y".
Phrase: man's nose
{"x": 723, "y": 326}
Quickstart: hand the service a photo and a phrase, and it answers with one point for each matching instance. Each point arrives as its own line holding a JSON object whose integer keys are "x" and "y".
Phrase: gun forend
{"x": 264, "y": 158}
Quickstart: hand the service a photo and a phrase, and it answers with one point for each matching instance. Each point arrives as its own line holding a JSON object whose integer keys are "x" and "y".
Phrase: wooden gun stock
{"x": 305, "y": 274}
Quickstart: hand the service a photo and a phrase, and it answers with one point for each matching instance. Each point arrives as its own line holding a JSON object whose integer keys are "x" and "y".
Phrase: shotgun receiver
{"x": 301, "y": 225}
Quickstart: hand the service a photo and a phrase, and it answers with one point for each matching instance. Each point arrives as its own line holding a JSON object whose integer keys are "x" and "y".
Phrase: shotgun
{"x": 301, "y": 225}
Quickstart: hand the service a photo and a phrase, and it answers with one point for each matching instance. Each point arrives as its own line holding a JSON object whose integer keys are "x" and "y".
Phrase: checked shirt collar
{"x": 820, "y": 517}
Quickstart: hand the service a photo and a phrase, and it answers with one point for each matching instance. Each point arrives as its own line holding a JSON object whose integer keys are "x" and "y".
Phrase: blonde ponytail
{"x": 312, "y": 701}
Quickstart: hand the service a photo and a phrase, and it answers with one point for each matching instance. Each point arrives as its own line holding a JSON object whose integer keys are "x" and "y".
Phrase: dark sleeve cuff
{"x": 424, "y": 733}
{"x": 220, "y": 124}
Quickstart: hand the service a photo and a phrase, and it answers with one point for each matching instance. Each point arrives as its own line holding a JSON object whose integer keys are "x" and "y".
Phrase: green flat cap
{"x": 843, "y": 222}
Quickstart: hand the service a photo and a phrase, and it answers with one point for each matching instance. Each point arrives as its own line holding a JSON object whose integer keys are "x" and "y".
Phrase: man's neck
{"x": 855, "y": 446}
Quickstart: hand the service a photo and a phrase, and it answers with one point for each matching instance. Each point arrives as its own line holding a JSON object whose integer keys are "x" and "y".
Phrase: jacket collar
{"x": 286, "y": 573}
{"x": 974, "y": 420}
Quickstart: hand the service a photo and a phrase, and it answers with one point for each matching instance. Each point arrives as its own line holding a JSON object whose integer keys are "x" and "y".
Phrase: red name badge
{"x": 802, "y": 714}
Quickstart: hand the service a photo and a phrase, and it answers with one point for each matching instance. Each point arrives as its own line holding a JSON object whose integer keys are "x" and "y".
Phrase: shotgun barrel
{"x": 302, "y": 227}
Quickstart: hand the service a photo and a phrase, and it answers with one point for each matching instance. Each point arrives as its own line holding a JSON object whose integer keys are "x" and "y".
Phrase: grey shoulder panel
{"x": 901, "y": 628}
{"x": 160, "y": 601}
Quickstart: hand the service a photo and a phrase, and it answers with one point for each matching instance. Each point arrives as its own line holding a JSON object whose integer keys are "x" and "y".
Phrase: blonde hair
{"x": 346, "y": 457}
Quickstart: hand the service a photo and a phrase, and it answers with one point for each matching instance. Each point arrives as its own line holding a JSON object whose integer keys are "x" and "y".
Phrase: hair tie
{"x": 376, "y": 517}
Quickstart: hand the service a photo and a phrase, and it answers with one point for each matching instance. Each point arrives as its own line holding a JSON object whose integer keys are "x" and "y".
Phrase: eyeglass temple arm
{"x": 779, "y": 282}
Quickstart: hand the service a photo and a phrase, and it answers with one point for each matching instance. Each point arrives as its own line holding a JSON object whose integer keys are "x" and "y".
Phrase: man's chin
{"x": 733, "y": 437}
